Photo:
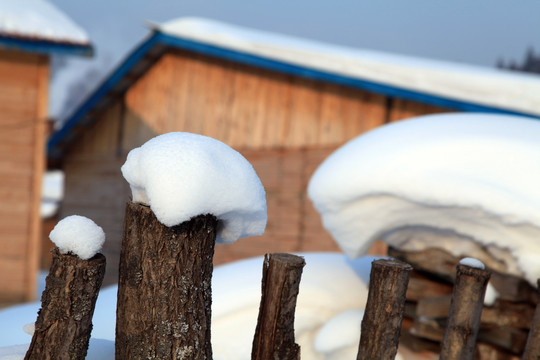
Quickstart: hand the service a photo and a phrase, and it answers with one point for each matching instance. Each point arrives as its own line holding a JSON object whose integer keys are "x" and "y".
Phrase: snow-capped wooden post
{"x": 164, "y": 292}
{"x": 465, "y": 310}
{"x": 189, "y": 193}
{"x": 532, "y": 349}
{"x": 381, "y": 324}
{"x": 64, "y": 323}
{"x": 274, "y": 335}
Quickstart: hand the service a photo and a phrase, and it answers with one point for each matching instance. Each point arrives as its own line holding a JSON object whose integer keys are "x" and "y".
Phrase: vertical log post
{"x": 274, "y": 335}
{"x": 532, "y": 349}
{"x": 465, "y": 312}
{"x": 381, "y": 324}
{"x": 64, "y": 323}
{"x": 164, "y": 290}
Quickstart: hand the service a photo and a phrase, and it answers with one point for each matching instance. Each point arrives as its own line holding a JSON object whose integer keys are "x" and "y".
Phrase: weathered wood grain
{"x": 381, "y": 324}
{"x": 64, "y": 323}
{"x": 164, "y": 289}
{"x": 274, "y": 334}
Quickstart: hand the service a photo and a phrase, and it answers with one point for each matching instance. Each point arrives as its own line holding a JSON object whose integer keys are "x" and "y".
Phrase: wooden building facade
{"x": 24, "y": 95}
{"x": 284, "y": 122}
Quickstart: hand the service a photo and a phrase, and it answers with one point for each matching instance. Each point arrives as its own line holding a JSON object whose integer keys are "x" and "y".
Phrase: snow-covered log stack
{"x": 440, "y": 188}
{"x": 189, "y": 192}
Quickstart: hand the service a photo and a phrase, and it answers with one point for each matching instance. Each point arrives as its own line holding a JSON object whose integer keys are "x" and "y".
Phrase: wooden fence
{"x": 164, "y": 300}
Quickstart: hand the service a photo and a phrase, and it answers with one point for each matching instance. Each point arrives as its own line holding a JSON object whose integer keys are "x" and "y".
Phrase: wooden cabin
{"x": 284, "y": 103}
{"x": 24, "y": 81}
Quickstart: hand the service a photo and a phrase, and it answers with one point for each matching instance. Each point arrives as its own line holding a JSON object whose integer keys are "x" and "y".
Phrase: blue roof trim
{"x": 45, "y": 47}
{"x": 260, "y": 62}
{"x": 97, "y": 95}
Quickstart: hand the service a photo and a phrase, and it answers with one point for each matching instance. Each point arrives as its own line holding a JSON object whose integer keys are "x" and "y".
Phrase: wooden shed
{"x": 284, "y": 103}
{"x": 25, "y": 50}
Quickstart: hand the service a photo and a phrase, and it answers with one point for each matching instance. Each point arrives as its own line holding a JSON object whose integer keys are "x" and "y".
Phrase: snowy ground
{"x": 333, "y": 292}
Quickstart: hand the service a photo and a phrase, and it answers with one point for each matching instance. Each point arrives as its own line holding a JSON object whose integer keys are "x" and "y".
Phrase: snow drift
{"x": 466, "y": 183}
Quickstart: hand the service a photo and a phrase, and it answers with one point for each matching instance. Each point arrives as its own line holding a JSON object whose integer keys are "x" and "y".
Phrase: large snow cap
{"x": 454, "y": 181}
{"x": 78, "y": 235}
{"x": 182, "y": 175}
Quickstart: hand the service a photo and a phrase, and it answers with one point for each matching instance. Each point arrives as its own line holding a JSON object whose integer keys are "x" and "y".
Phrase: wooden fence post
{"x": 274, "y": 335}
{"x": 164, "y": 290}
{"x": 62, "y": 330}
{"x": 465, "y": 312}
{"x": 381, "y": 324}
{"x": 532, "y": 349}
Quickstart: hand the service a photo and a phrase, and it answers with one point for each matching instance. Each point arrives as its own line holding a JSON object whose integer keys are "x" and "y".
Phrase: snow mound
{"x": 182, "y": 175}
{"x": 343, "y": 330}
{"x": 78, "y": 235}
{"x": 460, "y": 182}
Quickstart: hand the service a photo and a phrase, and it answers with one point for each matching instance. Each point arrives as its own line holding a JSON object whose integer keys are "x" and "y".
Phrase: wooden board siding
{"x": 285, "y": 126}
{"x": 24, "y": 83}
{"x": 248, "y": 108}
{"x": 402, "y": 109}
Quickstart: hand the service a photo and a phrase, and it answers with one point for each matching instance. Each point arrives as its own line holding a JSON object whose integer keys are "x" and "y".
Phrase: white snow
{"x": 343, "y": 330}
{"x": 468, "y": 83}
{"x": 453, "y": 181}
{"x": 472, "y": 262}
{"x": 78, "y": 235}
{"x": 52, "y": 192}
{"x": 491, "y": 295}
{"x": 331, "y": 285}
{"x": 38, "y": 19}
{"x": 182, "y": 175}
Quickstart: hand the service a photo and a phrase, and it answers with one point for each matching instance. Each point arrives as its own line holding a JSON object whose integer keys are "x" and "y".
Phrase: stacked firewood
{"x": 504, "y": 324}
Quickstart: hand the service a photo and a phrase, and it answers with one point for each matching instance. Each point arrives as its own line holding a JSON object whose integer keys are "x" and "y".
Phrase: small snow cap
{"x": 78, "y": 235}
{"x": 472, "y": 262}
{"x": 182, "y": 175}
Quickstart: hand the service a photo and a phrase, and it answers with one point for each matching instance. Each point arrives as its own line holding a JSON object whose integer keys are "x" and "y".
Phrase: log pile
{"x": 504, "y": 326}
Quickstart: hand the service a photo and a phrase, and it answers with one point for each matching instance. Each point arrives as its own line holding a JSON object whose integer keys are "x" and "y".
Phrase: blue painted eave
{"x": 101, "y": 92}
{"x": 265, "y": 63}
{"x": 45, "y": 47}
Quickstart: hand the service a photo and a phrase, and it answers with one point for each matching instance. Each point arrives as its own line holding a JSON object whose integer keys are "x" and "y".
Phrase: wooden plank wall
{"x": 24, "y": 83}
{"x": 248, "y": 108}
{"x": 285, "y": 126}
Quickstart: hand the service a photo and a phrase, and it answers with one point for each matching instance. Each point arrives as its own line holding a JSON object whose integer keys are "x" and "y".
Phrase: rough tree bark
{"x": 465, "y": 312}
{"x": 532, "y": 349}
{"x": 164, "y": 290}
{"x": 381, "y": 324}
{"x": 62, "y": 330}
{"x": 274, "y": 335}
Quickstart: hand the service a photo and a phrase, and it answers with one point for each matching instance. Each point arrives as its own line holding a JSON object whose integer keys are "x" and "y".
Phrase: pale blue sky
{"x": 470, "y": 31}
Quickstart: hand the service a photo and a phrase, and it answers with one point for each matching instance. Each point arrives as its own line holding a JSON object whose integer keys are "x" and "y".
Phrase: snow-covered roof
{"x": 38, "y": 26}
{"x": 454, "y": 86}
{"x": 491, "y": 87}
{"x": 465, "y": 183}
